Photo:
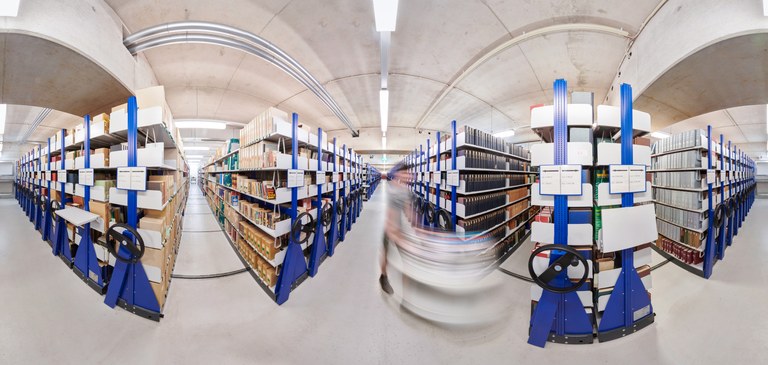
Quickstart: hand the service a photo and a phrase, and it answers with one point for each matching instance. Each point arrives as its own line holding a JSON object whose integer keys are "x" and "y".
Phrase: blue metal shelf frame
{"x": 319, "y": 248}
{"x": 86, "y": 263}
{"x": 333, "y": 235}
{"x": 558, "y": 317}
{"x": 129, "y": 285}
{"x": 61, "y": 237}
{"x": 48, "y": 213}
{"x": 629, "y": 307}
{"x": 294, "y": 264}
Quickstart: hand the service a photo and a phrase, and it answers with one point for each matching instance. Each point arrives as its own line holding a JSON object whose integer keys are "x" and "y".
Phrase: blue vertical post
{"x": 721, "y": 238}
{"x": 559, "y": 315}
{"x": 709, "y": 248}
{"x": 318, "y": 244}
{"x": 426, "y": 186}
{"x": 294, "y": 265}
{"x": 39, "y": 188}
{"x": 47, "y": 214}
{"x": 343, "y": 194}
{"x": 438, "y": 192}
{"x": 61, "y": 240}
{"x": 334, "y": 233}
{"x": 454, "y": 220}
{"x": 729, "y": 240}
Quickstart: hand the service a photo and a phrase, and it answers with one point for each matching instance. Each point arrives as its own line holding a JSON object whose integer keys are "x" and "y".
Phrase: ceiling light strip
{"x": 35, "y": 124}
{"x": 585, "y": 27}
{"x": 278, "y": 55}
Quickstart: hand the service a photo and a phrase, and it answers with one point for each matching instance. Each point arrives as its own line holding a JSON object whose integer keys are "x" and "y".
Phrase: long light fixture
{"x": 384, "y": 108}
{"x": 385, "y": 12}
{"x": 9, "y": 7}
{"x": 196, "y": 148}
{"x": 200, "y": 124}
{"x": 765, "y": 7}
{"x": 660, "y": 135}
{"x": 504, "y": 134}
{"x": 3, "y": 113}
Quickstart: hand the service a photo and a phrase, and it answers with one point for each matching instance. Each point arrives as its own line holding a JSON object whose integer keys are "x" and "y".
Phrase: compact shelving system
{"x": 371, "y": 178}
{"x": 476, "y": 185}
{"x": 275, "y": 190}
{"x": 703, "y": 190}
{"x": 112, "y": 210}
{"x": 592, "y": 255}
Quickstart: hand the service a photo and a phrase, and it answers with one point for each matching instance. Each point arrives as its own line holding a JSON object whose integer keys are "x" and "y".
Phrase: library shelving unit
{"x": 274, "y": 190}
{"x": 703, "y": 190}
{"x": 592, "y": 255}
{"x": 476, "y": 185}
{"x": 371, "y": 178}
{"x": 112, "y": 210}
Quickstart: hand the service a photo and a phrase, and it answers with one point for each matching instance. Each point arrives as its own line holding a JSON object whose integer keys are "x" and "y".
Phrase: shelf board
{"x": 679, "y": 169}
{"x": 697, "y": 269}
{"x": 685, "y": 149}
{"x": 700, "y": 248}
{"x": 472, "y": 235}
{"x": 484, "y": 191}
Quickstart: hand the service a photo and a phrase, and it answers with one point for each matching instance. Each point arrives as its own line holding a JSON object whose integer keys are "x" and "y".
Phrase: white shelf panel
{"x": 578, "y": 115}
{"x": 610, "y": 116}
{"x": 575, "y": 201}
{"x": 578, "y": 234}
{"x": 628, "y": 227}
{"x": 604, "y": 198}
{"x": 610, "y": 154}
{"x": 579, "y": 153}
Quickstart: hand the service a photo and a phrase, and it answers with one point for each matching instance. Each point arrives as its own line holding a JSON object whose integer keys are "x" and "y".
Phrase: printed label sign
{"x": 452, "y": 178}
{"x": 85, "y": 177}
{"x": 132, "y": 178}
{"x": 295, "y": 178}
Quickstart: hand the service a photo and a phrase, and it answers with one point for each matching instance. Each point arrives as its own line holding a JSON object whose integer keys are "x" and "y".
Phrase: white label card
{"x": 61, "y": 176}
{"x": 549, "y": 180}
{"x": 452, "y": 178}
{"x": 48, "y": 175}
{"x": 295, "y": 178}
{"x": 436, "y": 177}
{"x": 132, "y": 178}
{"x": 618, "y": 179}
{"x": 711, "y": 176}
{"x": 570, "y": 180}
{"x": 335, "y": 177}
{"x": 320, "y": 178}
{"x": 346, "y": 176}
{"x": 85, "y": 177}
{"x": 637, "y": 179}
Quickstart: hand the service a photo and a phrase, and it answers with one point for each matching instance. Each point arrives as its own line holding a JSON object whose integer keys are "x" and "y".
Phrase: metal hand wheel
{"x": 420, "y": 205}
{"x": 431, "y": 214}
{"x": 326, "y": 216}
{"x": 340, "y": 206}
{"x": 298, "y": 228}
{"x": 444, "y": 221}
{"x": 570, "y": 258}
{"x": 116, "y": 238}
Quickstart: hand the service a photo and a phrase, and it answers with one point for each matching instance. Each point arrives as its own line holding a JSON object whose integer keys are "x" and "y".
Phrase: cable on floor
{"x": 514, "y": 275}
{"x": 660, "y": 264}
{"x": 212, "y": 276}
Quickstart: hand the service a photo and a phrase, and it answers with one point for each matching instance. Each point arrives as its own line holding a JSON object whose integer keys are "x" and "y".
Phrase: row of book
{"x": 680, "y": 234}
{"x": 486, "y": 140}
{"x": 484, "y": 222}
{"x": 680, "y": 179}
{"x": 482, "y": 160}
{"x": 262, "y": 126}
{"x": 683, "y": 199}
{"x": 260, "y": 215}
{"x": 688, "y": 139}
{"x": 481, "y": 203}
{"x": 685, "y": 218}
{"x": 480, "y": 182}
{"x": 684, "y": 254}
{"x": 680, "y": 160}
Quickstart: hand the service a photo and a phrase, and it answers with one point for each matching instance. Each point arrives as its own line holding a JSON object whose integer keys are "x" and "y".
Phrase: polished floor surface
{"x": 47, "y": 315}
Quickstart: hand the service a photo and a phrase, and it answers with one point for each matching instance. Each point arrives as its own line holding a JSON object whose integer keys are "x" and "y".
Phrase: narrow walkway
{"x": 341, "y": 317}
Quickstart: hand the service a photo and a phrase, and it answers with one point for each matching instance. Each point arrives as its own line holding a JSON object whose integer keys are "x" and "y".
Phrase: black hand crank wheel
{"x": 327, "y": 215}
{"x": 116, "y": 237}
{"x": 570, "y": 258}
{"x": 431, "y": 214}
{"x": 340, "y": 206}
{"x": 298, "y": 228}
{"x": 444, "y": 221}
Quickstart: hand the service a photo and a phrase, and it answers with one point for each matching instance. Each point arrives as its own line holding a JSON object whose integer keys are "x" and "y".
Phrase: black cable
{"x": 660, "y": 264}
{"x": 516, "y": 276}
{"x": 212, "y": 276}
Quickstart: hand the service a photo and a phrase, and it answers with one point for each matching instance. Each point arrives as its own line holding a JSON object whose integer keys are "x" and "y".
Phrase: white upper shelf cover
{"x": 610, "y": 116}
{"x": 578, "y": 115}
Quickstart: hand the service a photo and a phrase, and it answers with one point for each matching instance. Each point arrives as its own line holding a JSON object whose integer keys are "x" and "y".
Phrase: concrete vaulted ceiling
{"x": 480, "y": 62}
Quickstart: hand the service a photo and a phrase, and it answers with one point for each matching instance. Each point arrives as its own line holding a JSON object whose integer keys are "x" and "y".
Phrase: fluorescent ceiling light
{"x": 200, "y": 124}
{"x": 196, "y": 148}
{"x": 9, "y": 7}
{"x": 3, "y": 111}
{"x": 384, "y": 108}
{"x": 765, "y": 7}
{"x": 385, "y": 12}
{"x": 660, "y": 135}
{"x": 505, "y": 134}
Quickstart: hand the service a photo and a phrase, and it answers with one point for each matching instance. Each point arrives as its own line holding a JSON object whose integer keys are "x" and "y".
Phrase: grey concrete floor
{"x": 47, "y": 315}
